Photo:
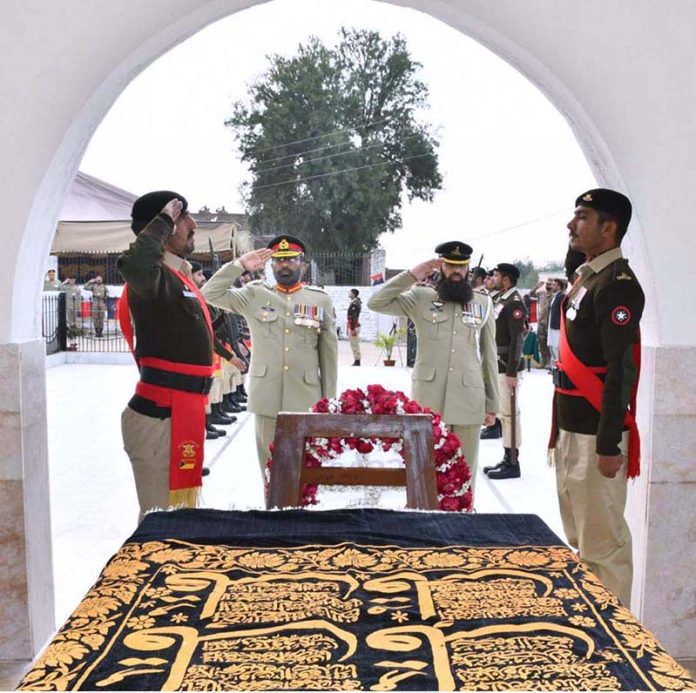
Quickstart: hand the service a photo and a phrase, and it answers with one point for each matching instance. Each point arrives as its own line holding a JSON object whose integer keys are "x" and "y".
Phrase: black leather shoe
{"x": 356, "y": 363}
{"x": 211, "y": 434}
{"x": 205, "y": 471}
{"x": 238, "y": 400}
{"x": 492, "y": 432}
{"x": 507, "y": 471}
{"x": 229, "y": 407}
{"x": 502, "y": 463}
{"x": 218, "y": 418}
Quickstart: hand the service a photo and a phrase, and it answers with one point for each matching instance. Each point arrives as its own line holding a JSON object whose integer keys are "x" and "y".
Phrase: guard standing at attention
{"x": 455, "y": 369}
{"x": 594, "y": 441}
{"x": 509, "y": 336}
{"x": 353, "y": 324}
{"x": 167, "y": 325}
{"x": 294, "y": 359}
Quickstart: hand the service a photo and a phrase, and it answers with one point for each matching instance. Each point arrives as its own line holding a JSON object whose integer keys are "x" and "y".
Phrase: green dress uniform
{"x": 455, "y": 369}
{"x": 510, "y": 318}
{"x": 602, "y": 313}
{"x": 353, "y": 325}
{"x": 294, "y": 352}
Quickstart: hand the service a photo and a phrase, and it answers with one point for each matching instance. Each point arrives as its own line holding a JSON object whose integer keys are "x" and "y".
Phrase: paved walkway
{"x": 93, "y": 501}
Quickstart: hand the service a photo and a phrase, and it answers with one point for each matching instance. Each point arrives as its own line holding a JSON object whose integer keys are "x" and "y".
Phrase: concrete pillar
{"x": 26, "y": 566}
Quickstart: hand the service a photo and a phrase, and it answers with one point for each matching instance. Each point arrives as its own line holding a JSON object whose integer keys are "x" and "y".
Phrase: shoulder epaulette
{"x": 315, "y": 288}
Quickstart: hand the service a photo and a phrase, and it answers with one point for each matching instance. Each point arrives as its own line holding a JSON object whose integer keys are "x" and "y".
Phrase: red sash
{"x": 590, "y": 386}
{"x": 188, "y": 408}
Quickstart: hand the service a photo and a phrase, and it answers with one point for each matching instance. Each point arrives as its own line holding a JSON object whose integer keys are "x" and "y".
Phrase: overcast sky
{"x": 511, "y": 165}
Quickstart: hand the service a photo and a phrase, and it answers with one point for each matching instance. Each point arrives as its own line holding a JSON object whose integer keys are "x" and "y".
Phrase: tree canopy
{"x": 333, "y": 141}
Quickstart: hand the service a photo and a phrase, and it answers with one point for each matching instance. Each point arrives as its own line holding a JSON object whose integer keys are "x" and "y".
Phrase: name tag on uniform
{"x": 189, "y": 294}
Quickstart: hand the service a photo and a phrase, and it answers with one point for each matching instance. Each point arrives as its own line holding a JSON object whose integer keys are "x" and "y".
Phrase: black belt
{"x": 147, "y": 407}
{"x": 563, "y": 382}
{"x": 176, "y": 381}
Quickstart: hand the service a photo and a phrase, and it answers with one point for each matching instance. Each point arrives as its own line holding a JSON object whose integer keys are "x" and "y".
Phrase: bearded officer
{"x": 294, "y": 359}
{"x": 455, "y": 371}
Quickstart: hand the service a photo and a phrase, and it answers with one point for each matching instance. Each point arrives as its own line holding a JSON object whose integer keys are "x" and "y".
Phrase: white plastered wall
{"x": 621, "y": 71}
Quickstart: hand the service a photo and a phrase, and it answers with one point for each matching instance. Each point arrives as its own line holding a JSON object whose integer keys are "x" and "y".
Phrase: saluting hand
{"x": 425, "y": 269}
{"x": 255, "y": 260}
{"x": 609, "y": 465}
{"x": 173, "y": 208}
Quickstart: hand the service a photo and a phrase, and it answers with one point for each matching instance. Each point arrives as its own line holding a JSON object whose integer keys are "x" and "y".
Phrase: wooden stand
{"x": 288, "y": 474}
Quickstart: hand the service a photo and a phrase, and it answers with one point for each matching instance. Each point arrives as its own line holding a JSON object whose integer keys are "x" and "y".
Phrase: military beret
{"x": 479, "y": 272}
{"x": 609, "y": 201}
{"x": 286, "y": 246}
{"x": 148, "y": 206}
{"x": 507, "y": 269}
{"x": 454, "y": 252}
{"x": 195, "y": 266}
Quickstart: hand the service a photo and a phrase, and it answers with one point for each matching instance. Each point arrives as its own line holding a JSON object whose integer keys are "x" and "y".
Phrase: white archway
{"x": 79, "y": 58}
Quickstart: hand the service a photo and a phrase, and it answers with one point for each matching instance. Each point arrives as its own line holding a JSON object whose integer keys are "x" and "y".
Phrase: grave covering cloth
{"x": 350, "y": 599}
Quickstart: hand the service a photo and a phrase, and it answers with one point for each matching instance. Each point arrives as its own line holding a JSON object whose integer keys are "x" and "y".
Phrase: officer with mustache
{"x": 294, "y": 356}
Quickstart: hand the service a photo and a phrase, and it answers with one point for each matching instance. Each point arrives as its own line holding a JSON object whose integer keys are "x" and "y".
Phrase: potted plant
{"x": 386, "y": 342}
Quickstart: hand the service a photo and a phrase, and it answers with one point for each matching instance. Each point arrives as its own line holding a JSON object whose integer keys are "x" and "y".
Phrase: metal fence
{"x": 77, "y": 324}
{"x": 339, "y": 269}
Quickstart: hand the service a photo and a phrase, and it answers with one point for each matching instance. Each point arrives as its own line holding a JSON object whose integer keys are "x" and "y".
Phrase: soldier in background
{"x": 353, "y": 325}
{"x": 73, "y": 305}
{"x": 294, "y": 360}
{"x": 455, "y": 369}
{"x": 477, "y": 278}
{"x": 509, "y": 336}
{"x": 99, "y": 295}
{"x": 51, "y": 282}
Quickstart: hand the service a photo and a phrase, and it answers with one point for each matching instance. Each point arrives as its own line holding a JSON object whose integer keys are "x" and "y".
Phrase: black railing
{"x": 339, "y": 269}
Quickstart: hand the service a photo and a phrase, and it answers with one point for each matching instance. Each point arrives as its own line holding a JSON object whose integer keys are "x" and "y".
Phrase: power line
{"x": 329, "y": 156}
{"x": 326, "y": 134}
{"x": 519, "y": 226}
{"x": 295, "y": 181}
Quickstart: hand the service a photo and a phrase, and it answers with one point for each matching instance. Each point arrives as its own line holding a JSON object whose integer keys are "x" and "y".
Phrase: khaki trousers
{"x": 147, "y": 444}
{"x": 592, "y": 510}
{"x": 469, "y": 437}
{"x": 215, "y": 394}
{"x": 354, "y": 341}
{"x": 505, "y": 412}
{"x": 265, "y": 432}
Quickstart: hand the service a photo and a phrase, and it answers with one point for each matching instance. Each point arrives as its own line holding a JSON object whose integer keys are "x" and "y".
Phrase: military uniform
{"x": 354, "y": 327}
{"x": 51, "y": 285}
{"x": 294, "y": 356}
{"x": 170, "y": 326}
{"x": 509, "y": 336}
{"x": 99, "y": 294}
{"x": 602, "y": 312}
{"x": 73, "y": 307}
{"x": 455, "y": 368}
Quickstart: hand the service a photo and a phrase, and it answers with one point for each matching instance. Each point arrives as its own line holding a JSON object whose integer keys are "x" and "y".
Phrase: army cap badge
{"x": 286, "y": 246}
{"x": 455, "y": 252}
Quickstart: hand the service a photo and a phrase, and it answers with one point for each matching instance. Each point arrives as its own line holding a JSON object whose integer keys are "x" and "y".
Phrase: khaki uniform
{"x": 294, "y": 355}
{"x": 510, "y": 316}
{"x": 73, "y": 307}
{"x": 51, "y": 285}
{"x": 456, "y": 367}
{"x": 99, "y": 294}
{"x": 602, "y": 314}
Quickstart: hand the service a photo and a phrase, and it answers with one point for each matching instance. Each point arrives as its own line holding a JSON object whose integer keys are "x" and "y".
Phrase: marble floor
{"x": 93, "y": 502}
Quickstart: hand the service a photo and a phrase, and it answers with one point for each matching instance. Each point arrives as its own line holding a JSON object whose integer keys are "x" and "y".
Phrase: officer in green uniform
{"x": 455, "y": 371}
{"x": 596, "y": 444}
{"x": 509, "y": 336}
{"x": 294, "y": 352}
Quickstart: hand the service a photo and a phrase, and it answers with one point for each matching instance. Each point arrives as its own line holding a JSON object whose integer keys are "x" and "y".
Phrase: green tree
{"x": 333, "y": 142}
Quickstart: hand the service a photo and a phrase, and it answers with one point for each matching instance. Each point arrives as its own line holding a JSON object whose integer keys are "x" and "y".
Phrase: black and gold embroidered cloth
{"x": 350, "y": 599}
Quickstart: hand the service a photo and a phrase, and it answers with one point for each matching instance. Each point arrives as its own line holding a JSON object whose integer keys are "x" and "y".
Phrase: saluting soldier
{"x": 596, "y": 381}
{"x": 509, "y": 336}
{"x": 99, "y": 295}
{"x": 455, "y": 371}
{"x": 294, "y": 358}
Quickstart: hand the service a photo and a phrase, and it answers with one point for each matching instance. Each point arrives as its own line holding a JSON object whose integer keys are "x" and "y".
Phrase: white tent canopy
{"x": 95, "y": 218}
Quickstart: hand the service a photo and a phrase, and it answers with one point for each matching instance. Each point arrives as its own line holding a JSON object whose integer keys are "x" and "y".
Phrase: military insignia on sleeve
{"x": 621, "y": 315}
{"x": 624, "y": 276}
{"x": 517, "y": 314}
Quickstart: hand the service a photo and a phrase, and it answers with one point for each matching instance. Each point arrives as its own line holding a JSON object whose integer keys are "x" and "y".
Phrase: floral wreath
{"x": 452, "y": 472}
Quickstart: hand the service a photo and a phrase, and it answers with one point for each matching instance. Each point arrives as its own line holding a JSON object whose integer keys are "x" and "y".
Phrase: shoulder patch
{"x": 621, "y": 315}
{"x": 517, "y": 313}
